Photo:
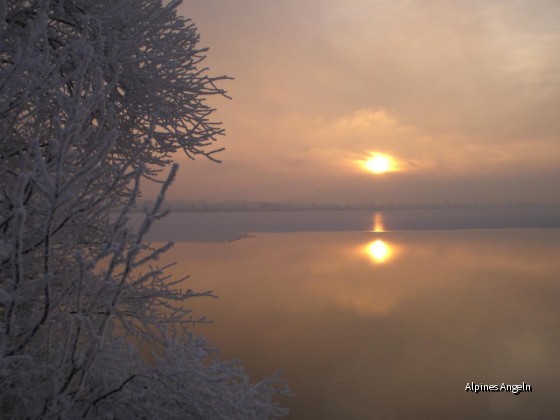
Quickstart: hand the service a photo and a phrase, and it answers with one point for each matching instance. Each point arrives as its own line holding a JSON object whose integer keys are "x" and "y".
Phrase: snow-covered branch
{"x": 95, "y": 98}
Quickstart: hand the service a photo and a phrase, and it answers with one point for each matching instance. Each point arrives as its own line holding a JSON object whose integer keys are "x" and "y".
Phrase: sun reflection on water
{"x": 379, "y": 251}
{"x": 378, "y": 225}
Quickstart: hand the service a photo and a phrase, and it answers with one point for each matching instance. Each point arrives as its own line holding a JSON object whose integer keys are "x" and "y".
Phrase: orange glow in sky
{"x": 367, "y": 110}
{"x": 379, "y": 163}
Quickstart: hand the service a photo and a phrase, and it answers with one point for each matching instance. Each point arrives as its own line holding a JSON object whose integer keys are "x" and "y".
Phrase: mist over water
{"x": 384, "y": 322}
{"x": 223, "y": 226}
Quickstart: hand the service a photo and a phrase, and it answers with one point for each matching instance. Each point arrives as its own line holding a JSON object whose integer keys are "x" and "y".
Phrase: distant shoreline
{"x": 256, "y": 206}
{"x": 227, "y": 224}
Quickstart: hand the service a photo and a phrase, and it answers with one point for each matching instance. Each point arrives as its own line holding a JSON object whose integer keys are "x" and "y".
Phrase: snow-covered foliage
{"x": 95, "y": 97}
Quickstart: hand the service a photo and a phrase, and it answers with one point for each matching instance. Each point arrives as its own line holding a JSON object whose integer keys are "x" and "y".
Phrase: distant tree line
{"x": 252, "y": 205}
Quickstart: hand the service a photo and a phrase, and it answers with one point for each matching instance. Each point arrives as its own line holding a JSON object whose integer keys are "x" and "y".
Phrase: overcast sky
{"x": 464, "y": 94}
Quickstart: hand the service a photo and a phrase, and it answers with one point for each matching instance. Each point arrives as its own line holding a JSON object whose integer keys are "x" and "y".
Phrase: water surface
{"x": 389, "y": 325}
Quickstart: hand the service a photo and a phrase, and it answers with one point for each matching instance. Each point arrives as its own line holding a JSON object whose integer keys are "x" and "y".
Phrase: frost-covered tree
{"x": 95, "y": 97}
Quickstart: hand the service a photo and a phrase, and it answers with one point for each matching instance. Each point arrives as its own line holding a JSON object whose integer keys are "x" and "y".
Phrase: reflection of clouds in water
{"x": 451, "y": 307}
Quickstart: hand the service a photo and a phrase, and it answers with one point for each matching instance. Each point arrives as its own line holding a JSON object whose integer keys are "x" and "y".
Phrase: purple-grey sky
{"x": 464, "y": 94}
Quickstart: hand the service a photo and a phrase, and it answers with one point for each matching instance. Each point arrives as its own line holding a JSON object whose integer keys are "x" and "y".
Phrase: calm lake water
{"x": 388, "y": 324}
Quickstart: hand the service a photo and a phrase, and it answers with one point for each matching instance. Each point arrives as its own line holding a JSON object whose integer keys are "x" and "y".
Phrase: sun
{"x": 379, "y": 164}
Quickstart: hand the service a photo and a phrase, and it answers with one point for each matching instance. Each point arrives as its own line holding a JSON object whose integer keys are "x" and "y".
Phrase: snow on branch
{"x": 95, "y": 98}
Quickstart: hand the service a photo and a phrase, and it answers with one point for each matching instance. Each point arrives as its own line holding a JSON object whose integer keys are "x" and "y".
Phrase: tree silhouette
{"x": 95, "y": 98}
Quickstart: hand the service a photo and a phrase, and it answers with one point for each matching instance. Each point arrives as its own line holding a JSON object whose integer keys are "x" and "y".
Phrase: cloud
{"x": 463, "y": 93}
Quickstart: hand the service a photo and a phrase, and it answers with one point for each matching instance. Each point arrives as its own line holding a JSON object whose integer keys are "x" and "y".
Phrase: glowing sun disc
{"x": 378, "y": 164}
